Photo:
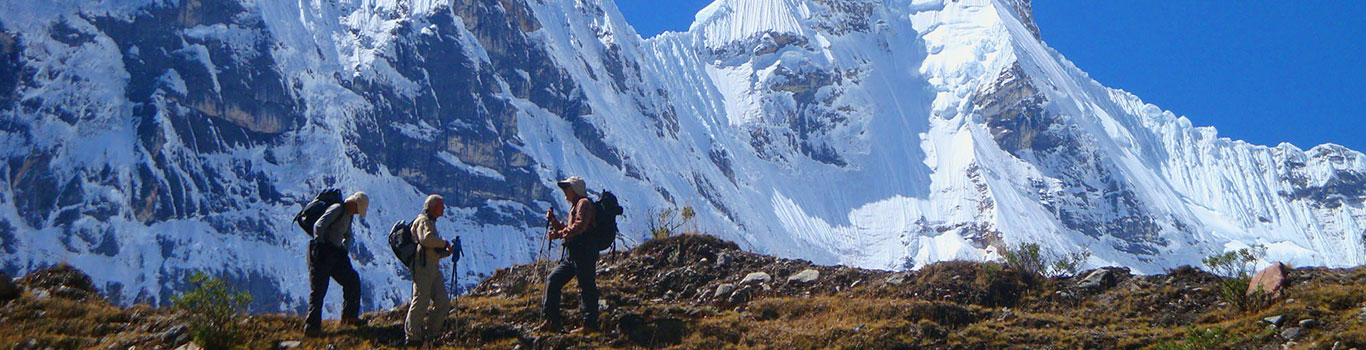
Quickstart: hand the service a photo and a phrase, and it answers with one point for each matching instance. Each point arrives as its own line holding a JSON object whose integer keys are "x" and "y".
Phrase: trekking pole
{"x": 545, "y": 249}
{"x": 455, "y": 257}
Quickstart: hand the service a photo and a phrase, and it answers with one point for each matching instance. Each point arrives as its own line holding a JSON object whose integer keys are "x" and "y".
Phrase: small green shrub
{"x": 1235, "y": 264}
{"x": 1029, "y": 258}
{"x": 1234, "y": 270}
{"x": 1069, "y": 264}
{"x": 1025, "y": 257}
{"x": 672, "y": 221}
{"x": 214, "y": 309}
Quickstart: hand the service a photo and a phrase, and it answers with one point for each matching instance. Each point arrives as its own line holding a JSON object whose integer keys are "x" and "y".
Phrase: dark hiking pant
{"x": 581, "y": 264}
{"x": 328, "y": 262}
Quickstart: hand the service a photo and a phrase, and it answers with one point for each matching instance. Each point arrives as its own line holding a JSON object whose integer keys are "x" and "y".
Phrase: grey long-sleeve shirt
{"x": 334, "y": 226}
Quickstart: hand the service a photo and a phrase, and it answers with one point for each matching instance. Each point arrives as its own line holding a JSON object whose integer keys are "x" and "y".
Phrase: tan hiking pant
{"x": 429, "y": 289}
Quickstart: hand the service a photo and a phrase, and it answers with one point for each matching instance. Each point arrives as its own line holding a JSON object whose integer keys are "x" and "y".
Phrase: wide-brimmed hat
{"x": 575, "y": 183}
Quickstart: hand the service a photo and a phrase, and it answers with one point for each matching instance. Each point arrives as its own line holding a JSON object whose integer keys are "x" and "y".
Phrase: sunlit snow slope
{"x": 145, "y": 139}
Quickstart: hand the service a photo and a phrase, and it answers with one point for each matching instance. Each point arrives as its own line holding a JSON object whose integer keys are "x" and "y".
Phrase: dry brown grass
{"x": 954, "y": 305}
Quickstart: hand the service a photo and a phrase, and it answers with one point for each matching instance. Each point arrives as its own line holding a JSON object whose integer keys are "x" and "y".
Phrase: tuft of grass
{"x": 1335, "y": 297}
{"x": 1199, "y": 339}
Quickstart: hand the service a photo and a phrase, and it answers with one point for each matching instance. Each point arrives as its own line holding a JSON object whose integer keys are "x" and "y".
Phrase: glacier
{"x": 147, "y": 139}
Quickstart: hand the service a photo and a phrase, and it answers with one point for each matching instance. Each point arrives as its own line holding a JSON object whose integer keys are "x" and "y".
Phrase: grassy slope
{"x": 659, "y": 295}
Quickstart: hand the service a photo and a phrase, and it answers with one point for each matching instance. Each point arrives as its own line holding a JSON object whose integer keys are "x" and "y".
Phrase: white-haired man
{"x": 328, "y": 260}
{"x": 429, "y": 290}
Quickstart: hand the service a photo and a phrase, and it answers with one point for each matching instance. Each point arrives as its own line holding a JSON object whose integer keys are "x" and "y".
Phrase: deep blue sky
{"x": 1260, "y": 71}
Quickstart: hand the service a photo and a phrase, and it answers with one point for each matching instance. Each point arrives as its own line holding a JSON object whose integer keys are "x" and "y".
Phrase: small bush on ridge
{"x": 1234, "y": 270}
{"x": 1028, "y": 257}
{"x": 214, "y": 309}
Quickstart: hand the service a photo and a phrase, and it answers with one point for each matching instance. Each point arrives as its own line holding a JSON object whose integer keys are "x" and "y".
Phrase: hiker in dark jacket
{"x": 422, "y": 324}
{"x": 328, "y": 259}
{"x": 580, "y": 259}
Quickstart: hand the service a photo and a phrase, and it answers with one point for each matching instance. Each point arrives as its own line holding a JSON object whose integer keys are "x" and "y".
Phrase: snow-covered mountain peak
{"x": 726, "y": 21}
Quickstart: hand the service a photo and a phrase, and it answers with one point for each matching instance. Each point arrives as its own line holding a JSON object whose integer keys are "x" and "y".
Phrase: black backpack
{"x": 314, "y": 210}
{"x": 604, "y": 230}
{"x": 401, "y": 241}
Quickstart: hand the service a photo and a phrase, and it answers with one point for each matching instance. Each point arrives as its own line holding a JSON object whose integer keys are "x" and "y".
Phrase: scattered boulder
{"x": 1292, "y": 333}
{"x": 291, "y": 344}
{"x": 1268, "y": 280}
{"x": 8, "y": 290}
{"x": 741, "y": 296}
{"x": 896, "y": 279}
{"x": 722, "y": 259}
{"x": 1274, "y": 320}
{"x": 1098, "y": 279}
{"x": 806, "y": 276}
{"x": 755, "y": 278}
{"x": 1309, "y": 323}
{"x": 189, "y": 346}
{"x": 175, "y": 335}
{"x": 723, "y": 291}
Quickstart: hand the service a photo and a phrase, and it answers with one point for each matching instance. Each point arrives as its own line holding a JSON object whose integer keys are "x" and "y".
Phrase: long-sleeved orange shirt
{"x": 580, "y": 219}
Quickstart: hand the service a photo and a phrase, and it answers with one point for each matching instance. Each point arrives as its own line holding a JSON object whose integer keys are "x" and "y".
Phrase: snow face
{"x": 725, "y": 22}
{"x": 144, "y": 140}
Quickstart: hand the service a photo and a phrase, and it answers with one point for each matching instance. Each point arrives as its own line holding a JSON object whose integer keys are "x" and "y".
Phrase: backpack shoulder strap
{"x": 592, "y": 221}
{"x": 412, "y": 233}
{"x": 421, "y": 256}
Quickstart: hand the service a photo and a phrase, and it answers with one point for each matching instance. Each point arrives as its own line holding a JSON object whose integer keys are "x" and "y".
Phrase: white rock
{"x": 806, "y": 276}
{"x": 723, "y": 291}
{"x": 756, "y": 277}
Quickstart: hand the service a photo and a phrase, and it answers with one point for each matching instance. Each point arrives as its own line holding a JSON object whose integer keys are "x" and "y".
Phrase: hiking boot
{"x": 358, "y": 322}
{"x": 549, "y": 327}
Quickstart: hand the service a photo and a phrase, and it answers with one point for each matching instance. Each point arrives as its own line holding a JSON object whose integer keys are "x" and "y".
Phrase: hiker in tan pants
{"x": 429, "y": 289}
